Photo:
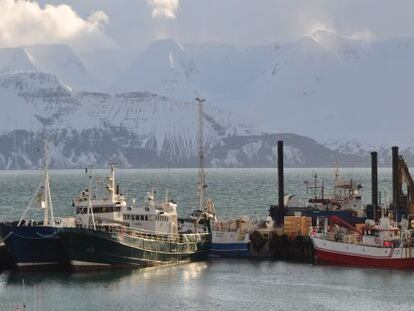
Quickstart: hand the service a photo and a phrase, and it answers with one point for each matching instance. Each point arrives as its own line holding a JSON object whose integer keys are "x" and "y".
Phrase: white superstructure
{"x": 112, "y": 208}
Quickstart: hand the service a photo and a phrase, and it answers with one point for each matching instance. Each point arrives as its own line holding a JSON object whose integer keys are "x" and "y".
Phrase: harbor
{"x": 109, "y": 228}
{"x": 215, "y": 284}
{"x": 156, "y": 233}
{"x": 206, "y": 155}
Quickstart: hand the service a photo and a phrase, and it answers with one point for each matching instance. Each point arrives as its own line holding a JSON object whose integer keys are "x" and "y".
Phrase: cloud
{"x": 365, "y": 35}
{"x": 164, "y": 8}
{"x": 26, "y": 22}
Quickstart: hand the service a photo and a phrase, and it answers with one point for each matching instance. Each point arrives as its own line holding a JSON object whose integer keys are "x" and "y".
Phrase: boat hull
{"x": 230, "y": 250}
{"x": 34, "y": 246}
{"x": 233, "y": 244}
{"x": 95, "y": 249}
{"x": 337, "y": 253}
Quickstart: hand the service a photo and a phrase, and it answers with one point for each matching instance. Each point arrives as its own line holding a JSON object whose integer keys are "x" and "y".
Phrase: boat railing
{"x": 233, "y": 226}
{"x": 349, "y": 238}
{"x": 147, "y": 234}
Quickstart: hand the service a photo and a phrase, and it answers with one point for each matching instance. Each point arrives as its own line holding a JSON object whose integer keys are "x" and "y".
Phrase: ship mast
{"x": 47, "y": 195}
{"x": 201, "y": 174}
{"x": 90, "y": 208}
{"x": 43, "y": 193}
{"x": 45, "y": 186}
{"x": 112, "y": 186}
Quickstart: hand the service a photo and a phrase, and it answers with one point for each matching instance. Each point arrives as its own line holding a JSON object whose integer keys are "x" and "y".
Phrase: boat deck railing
{"x": 349, "y": 238}
{"x": 240, "y": 224}
{"x": 151, "y": 235}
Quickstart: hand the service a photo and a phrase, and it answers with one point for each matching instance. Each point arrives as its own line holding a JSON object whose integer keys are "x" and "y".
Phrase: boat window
{"x": 146, "y": 217}
{"x": 142, "y": 217}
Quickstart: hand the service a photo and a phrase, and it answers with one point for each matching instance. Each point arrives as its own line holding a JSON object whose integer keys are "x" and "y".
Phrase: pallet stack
{"x": 296, "y": 226}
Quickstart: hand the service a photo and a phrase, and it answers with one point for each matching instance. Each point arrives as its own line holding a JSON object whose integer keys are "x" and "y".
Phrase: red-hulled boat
{"x": 382, "y": 245}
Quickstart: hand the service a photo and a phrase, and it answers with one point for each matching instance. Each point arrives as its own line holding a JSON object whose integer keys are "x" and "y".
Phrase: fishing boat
{"x": 242, "y": 237}
{"x": 344, "y": 202}
{"x": 385, "y": 244}
{"x": 31, "y": 243}
{"x": 137, "y": 235}
{"x": 248, "y": 237}
{"x": 35, "y": 244}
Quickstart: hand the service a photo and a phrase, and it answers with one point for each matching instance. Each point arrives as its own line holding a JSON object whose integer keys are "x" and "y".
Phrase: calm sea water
{"x": 212, "y": 285}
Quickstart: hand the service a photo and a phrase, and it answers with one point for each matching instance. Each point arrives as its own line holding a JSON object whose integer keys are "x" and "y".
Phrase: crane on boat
{"x": 405, "y": 176}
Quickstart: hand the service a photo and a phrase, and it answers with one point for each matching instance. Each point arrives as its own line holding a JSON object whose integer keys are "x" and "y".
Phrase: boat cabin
{"x": 107, "y": 208}
{"x": 152, "y": 216}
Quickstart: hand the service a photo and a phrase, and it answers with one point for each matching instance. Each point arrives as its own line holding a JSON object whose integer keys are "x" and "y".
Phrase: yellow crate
{"x": 297, "y": 225}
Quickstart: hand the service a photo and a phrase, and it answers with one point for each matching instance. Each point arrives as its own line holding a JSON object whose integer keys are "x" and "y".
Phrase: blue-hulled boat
{"x": 231, "y": 250}
{"x": 35, "y": 243}
{"x": 241, "y": 237}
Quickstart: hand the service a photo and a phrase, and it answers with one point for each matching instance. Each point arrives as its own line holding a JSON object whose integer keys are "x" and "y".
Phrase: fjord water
{"x": 212, "y": 285}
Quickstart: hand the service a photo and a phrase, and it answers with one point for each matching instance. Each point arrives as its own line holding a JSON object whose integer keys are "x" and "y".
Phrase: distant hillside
{"x": 351, "y": 96}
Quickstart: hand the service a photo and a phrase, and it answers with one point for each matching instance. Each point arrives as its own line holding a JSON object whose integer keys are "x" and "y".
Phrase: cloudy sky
{"x": 133, "y": 24}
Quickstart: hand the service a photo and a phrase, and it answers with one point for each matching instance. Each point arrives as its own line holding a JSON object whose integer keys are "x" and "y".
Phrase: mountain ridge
{"x": 324, "y": 85}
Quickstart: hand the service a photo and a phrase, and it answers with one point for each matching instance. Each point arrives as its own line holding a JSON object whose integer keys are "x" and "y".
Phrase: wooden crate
{"x": 306, "y": 225}
{"x": 297, "y": 225}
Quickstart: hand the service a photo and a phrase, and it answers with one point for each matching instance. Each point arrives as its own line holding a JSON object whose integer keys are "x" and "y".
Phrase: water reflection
{"x": 217, "y": 285}
{"x": 67, "y": 278}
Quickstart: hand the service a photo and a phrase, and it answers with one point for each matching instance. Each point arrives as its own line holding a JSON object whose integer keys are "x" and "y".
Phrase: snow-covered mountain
{"x": 325, "y": 85}
{"x": 39, "y": 102}
{"x": 135, "y": 129}
{"x": 14, "y": 60}
{"x": 333, "y": 87}
{"x": 351, "y": 95}
{"x": 55, "y": 59}
{"x": 165, "y": 69}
